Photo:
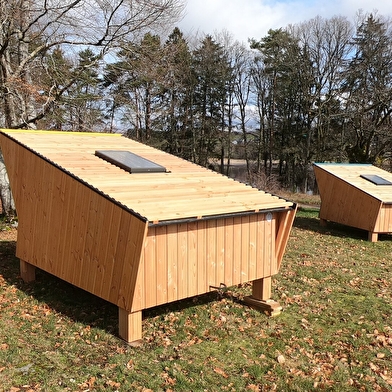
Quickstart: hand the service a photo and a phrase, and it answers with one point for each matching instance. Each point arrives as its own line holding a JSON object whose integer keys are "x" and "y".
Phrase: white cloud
{"x": 253, "y": 18}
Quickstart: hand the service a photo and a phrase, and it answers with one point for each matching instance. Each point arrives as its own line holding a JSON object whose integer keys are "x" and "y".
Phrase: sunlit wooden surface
{"x": 138, "y": 240}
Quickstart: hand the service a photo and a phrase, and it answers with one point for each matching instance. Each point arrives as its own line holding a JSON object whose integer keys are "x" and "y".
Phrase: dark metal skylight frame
{"x": 130, "y": 162}
{"x": 377, "y": 180}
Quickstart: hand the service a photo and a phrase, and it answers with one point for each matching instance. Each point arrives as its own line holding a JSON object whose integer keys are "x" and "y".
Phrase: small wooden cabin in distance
{"x": 136, "y": 226}
{"x": 357, "y": 195}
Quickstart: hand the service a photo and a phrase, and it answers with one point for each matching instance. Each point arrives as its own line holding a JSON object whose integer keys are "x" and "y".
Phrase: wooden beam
{"x": 261, "y": 297}
{"x": 130, "y": 326}
{"x": 323, "y": 222}
{"x": 285, "y": 223}
{"x": 261, "y": 288}
{"x": 372, "y": 237}
{"x": 27, "y": 271}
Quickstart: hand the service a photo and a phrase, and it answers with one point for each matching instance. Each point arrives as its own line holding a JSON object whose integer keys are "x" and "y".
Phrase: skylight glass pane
{"x": 130, "y": 162}
{"x": 377, "y": 180}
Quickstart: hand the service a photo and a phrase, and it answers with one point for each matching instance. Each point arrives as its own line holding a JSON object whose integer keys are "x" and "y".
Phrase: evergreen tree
{"x": 178, "y": 84}
{"x": 85, "y": 98}
{"x": 326, "y": 43}
{"x": 212, "y": 71}
{"x": 281, "y": 57}
{"x": 135, "y": 83}
{"x": 55, "y": 80}
{"x": 367, "y": 89}
{"x": 76, "y": 93}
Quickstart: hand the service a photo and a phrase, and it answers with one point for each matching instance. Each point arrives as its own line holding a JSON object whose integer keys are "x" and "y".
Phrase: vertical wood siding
{"x": 72, "y": 231}
{"x": 186, "y": 259}
{"x": 344, "y": 203}
{"x": 384, "y": 219}
{"x": 75, "y": 232}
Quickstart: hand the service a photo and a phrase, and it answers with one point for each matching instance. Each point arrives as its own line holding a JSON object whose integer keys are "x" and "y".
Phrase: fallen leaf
{"x": 386, "y": 378}
{"x": 114, "y": 384}
{"x": 221, "y": 372}
{"x": 171, "y": 381}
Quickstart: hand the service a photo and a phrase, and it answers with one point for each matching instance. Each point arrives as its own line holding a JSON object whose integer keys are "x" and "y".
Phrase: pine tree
{"x": 367, "y": 89}
{"x": 212, "y": 71}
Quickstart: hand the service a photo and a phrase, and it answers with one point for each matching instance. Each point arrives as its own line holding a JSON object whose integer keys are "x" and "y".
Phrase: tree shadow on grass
{"x": 78, "y": 304}
{"x": 63, "y": 297}
{"x": 86, "y": 308}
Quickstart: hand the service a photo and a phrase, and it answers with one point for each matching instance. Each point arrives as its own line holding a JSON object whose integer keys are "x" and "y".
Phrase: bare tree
{"x": 30, "y": 29}
{"x": 328, "y": 46}
{"x": 242, "y": 60}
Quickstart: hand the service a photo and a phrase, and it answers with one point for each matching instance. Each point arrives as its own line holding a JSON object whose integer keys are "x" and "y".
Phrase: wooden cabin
{"x": 136, "y": 226}
{"x": 357, "y": 195}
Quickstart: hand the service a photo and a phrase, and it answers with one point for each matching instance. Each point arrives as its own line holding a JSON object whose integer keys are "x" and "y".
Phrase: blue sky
{"x": 253, "y": 18}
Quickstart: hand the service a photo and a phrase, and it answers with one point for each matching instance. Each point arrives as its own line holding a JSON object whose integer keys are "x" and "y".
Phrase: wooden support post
{"x": 261, "y": 297}
{"x": 261, "y": 289}
{"x": 323, "y": 222}
{"x": 27, "y": 271}
{"x": 130, "y": 326}
{"x": 372, "y": 237}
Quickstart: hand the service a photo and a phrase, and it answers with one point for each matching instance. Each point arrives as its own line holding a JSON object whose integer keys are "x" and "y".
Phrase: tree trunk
{"x": 7, "y": 201}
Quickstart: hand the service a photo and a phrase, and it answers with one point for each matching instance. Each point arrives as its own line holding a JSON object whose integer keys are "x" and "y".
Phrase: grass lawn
{"x": 334, "y": 334}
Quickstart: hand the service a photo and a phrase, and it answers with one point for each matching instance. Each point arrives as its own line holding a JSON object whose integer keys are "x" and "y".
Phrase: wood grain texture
{"x": 349, "y": 199}
{"x": 187, "y": 259}
{"x": 62, "y": 225}
{"x": 137, "y": 240}
{"x": 384, "y": 219}
{"x": 185, "y": 191}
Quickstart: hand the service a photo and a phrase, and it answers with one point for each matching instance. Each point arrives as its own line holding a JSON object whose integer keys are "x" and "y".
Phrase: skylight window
{"x": 130, "y": 162}
{"x": 377, "y": 180}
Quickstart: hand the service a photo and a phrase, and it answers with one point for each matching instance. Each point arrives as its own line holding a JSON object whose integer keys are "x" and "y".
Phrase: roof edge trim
{"x": 220, "y": 216}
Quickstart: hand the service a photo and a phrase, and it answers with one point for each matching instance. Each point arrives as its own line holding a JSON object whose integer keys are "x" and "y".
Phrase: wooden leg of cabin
{"x": 323, "y": 222}
{"x": 373, "y": 237}
{"x": 27, "y": 271}
{"x": 130, "y": 326}
{"x": 261, "y": 297}
{"x": 261, "y": 288}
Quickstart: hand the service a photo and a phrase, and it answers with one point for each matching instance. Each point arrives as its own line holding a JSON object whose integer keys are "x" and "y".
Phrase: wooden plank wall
{"x": 284, "y": 223}
{"x": 384, "y": 219}
{"x": 72, "y": 231}
{"x": 344, "y": 203}
{"x": 187, "y": 259}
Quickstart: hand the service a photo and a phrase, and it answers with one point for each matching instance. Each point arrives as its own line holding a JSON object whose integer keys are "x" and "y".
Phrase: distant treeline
{"x": 313, "y": 92}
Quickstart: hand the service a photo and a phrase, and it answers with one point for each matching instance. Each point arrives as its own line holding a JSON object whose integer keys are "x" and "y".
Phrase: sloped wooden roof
{"x": 351, "y": 173}
{"x": 185, "y": 191}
